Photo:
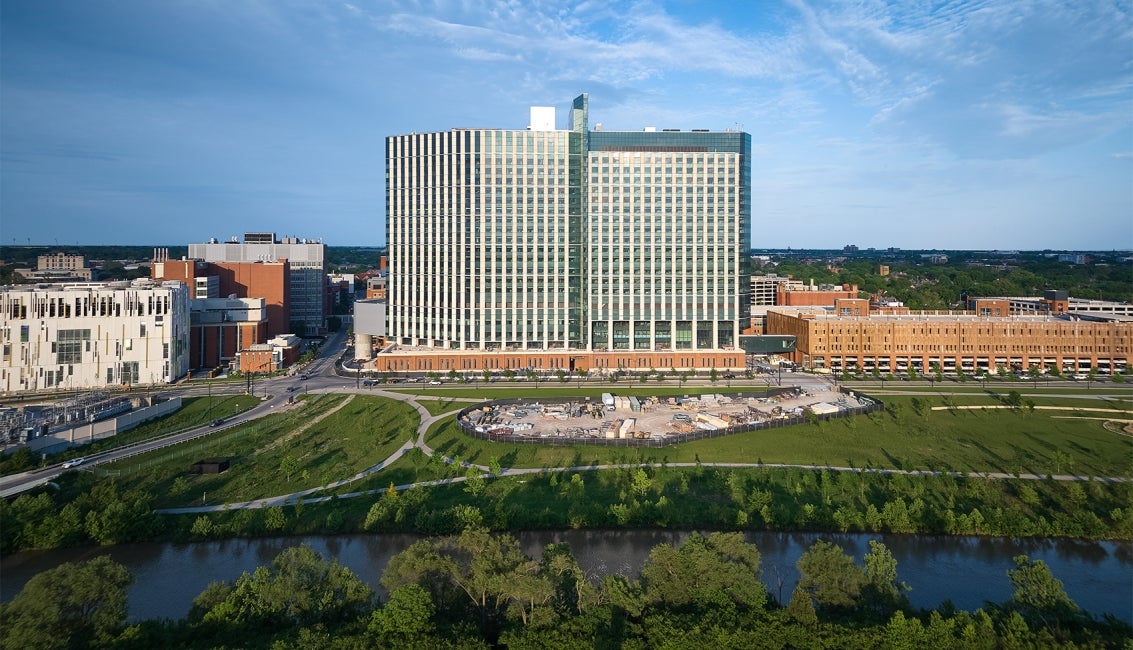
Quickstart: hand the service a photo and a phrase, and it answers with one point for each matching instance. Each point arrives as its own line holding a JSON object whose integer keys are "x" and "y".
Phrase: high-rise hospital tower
{"x": 568, "y": 239}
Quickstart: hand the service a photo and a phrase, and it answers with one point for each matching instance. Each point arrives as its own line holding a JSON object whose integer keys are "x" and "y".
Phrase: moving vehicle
{"x": 74, "y": 462}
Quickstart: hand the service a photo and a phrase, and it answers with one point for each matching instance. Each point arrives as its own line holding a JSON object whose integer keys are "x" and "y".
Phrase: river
{"x": 968, "y": 570}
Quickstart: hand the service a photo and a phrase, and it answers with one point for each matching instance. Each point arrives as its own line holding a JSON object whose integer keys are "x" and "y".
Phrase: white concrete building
{"x": 93, "y": 335}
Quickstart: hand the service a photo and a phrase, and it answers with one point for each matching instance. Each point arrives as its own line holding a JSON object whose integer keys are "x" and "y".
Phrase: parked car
{"x": 74, "y": 462}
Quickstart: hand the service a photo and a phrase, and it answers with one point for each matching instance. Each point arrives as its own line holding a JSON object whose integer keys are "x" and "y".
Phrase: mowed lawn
{"x": 327, "y": 438}
{"x": 324, "y": 439}
{"x": 911, "y": 436}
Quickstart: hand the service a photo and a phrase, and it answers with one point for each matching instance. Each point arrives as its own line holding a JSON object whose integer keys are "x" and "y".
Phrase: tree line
{"x": 638, "y": 495}
{"x": 478, "y": 590}
{"x": 922, "y": 285}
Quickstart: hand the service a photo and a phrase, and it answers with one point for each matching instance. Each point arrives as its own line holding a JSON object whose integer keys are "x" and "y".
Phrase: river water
{"x": 968, "y": 570}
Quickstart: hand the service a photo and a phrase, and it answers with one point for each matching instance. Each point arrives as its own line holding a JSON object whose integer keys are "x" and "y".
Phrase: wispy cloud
{"x": 865, "y": 112}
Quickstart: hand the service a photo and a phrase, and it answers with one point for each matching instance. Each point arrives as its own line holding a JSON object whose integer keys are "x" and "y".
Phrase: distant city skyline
{"x": 980, "y": 125}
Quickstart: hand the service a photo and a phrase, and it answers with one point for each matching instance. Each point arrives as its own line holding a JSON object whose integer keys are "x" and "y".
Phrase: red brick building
{"x": 267, "y": 280}
{"x": 953, "y": 341}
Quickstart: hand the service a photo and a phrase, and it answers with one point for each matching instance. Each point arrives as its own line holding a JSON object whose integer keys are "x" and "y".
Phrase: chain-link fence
{"x": 194, "y": 449}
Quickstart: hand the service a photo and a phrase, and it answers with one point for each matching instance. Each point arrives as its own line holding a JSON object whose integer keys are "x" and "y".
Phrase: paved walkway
{"x": 980, "y": 407}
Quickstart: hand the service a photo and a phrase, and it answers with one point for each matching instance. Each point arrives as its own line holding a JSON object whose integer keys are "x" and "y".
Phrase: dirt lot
{"x": 649, "y": 417}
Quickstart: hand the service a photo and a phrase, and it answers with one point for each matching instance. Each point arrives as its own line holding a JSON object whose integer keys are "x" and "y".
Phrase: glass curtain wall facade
{"x": 485, "y": 239}
{"x": 574, "y": 239}
{"x": 669, "y": 225}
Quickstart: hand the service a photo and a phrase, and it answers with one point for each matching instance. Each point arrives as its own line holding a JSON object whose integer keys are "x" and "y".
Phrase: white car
{"x": 74, "y": 462}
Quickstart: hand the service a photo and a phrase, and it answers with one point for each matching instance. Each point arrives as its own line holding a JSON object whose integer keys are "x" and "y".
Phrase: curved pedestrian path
{"x": 428, "y": 419}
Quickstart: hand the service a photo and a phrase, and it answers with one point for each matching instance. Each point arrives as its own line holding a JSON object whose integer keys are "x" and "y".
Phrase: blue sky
{"x": 916, "y": 124}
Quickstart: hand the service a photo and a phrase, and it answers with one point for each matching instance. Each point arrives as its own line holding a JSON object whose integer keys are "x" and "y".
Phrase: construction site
{"x": 621, "y": 420}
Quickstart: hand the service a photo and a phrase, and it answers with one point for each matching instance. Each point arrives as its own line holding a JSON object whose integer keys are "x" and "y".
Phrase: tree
{"x": 202, "y": 528}
{"x": 73, "y": 605}
{"x": 299, "y": 589}
{"x": 1037, "y": 594}
{"x": 288, "y": 466}
{"x": 487, "y": 374}
{"x": 904, "y": 632}
{"x": 641, "y": 481}
{"x": 1058, "y": 458}
{"x": 705, "y": 571}
{"x": 830, "y": 576}
{"x": 474, "y": 483}
{"x": 274, "y": 518}
{"x": 406, "y": 617}
{"x": 468, "y": 571}
{"x": 801, "y": 607}
{"x": 575, "y": 488}
{"x": 882, "y": 589}
{"x": 113, "y": 517}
